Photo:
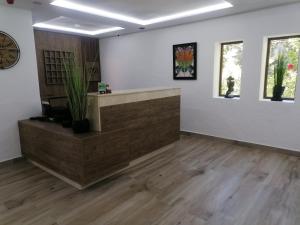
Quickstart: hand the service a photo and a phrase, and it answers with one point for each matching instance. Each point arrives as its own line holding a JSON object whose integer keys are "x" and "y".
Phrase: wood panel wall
{"x": 84, "y": 48}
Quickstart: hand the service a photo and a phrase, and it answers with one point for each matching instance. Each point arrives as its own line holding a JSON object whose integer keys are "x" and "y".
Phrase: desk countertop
{"x": 135, "y": 91}
{"x": 134, "y": 95}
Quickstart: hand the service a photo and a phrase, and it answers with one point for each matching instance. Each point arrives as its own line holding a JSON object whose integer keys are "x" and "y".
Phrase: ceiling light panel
{"x": 95, "y": 11}
{"x": 189, "y": 13}
{"x": 74, "y": 22}
{"x": 76, "y": 30}
{"x": 121, "y": 17}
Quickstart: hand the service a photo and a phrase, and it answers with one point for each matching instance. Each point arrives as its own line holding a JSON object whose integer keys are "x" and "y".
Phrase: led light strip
{"x": 111, "y": 15}
{"x": 189, "y": 13}
{"x": 94, "y": 11}
{"x": 74, "y": 30}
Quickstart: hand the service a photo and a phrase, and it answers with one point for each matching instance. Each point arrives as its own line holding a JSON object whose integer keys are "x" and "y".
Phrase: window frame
{"x": 270, "y": 39}
{"x": 221, "y": 65}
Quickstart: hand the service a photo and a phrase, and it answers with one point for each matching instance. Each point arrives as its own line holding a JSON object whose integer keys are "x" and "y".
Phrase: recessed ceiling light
{"x": 112, "y": 15}
{"x": 74, "y": 30}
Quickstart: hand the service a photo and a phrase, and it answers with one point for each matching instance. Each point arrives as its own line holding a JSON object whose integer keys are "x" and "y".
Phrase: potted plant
{"x": 76, "y": 83}
{"x": 230, "y": 86}
{"x": 280, "y": 70}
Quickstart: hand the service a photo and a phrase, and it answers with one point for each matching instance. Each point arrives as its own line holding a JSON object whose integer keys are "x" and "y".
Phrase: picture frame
{"x": 185, "y": 61}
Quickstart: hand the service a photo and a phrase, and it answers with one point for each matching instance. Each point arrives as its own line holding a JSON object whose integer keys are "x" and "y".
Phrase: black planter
{"x": 277, "y": 93}
{"x": 81, "y": 126}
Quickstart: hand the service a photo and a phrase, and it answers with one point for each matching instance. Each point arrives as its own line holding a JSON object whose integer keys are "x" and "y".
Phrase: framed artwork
{"x": 185, "y": 61}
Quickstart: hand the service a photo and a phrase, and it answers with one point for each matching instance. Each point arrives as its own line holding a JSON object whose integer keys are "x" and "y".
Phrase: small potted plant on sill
{"x": 280, "y": 70}
{"x": 230, "y": 87}
{"x": 76, "y": 83}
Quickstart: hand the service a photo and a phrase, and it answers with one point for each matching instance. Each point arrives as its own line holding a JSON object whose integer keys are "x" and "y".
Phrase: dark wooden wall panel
{"x": 89, "y": 47}
{"x": 90, "y": 53}
{"x": 84, "y": 48}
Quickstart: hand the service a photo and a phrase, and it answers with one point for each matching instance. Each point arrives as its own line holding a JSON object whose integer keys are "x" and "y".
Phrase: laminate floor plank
{"x": 197, "y": 181}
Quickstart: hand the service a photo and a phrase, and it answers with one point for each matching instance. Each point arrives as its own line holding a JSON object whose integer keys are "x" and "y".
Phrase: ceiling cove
{"x": 96, "y": 11}
{"x": 117, "y": 16}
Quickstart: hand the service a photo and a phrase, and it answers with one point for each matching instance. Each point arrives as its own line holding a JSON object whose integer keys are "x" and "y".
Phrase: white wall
{"x": 19, "y": 91}
{"x": 145, "y": 60}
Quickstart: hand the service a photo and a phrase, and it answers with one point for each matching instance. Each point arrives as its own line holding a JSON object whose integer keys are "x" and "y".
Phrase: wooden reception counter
{"x": 127, "y": 125}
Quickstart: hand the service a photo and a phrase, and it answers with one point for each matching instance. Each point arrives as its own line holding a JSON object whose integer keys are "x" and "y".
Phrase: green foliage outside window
{"x": 290, "y": 48}
{"x": 231, "y": 65}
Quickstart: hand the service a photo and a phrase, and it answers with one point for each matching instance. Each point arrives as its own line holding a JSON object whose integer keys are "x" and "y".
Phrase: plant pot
{"x": 229, "y": 96}
{"x": 277, "y": 93}
{"x": 66, "y": 123}
{"x": 81, "y": 126}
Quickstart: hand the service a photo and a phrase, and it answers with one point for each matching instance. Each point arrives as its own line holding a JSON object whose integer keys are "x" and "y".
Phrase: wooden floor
{"x": 200, "y": 181}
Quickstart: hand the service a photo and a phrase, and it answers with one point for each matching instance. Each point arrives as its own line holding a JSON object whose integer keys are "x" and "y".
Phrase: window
{"x": 231, "y": 66}
{"x": 289, "y": 46}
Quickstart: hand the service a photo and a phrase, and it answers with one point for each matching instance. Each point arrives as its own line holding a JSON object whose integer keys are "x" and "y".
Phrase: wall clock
{"x": 9, "y": 51}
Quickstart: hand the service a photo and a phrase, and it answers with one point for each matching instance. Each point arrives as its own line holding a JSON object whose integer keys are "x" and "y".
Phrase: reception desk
{"x": 126, "y": 125}
{"x": 127, "y": 107}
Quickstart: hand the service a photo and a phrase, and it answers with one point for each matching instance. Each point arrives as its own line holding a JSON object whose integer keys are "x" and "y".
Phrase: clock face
{"x": 9, "y": 51}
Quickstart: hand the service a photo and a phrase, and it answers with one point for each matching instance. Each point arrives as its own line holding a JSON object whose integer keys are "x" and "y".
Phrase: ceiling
{"x": 43, "y": 11}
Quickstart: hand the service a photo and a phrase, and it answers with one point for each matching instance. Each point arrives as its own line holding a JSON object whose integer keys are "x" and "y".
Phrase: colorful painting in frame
{"x": 185, "y": 61}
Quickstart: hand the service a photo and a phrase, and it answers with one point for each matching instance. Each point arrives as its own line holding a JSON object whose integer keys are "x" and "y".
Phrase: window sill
{"x": 234, "y": 98}
{"x": 284, "y": 101}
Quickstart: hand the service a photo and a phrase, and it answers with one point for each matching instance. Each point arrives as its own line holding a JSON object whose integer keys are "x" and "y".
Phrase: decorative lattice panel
{"x": 54, "y": 65}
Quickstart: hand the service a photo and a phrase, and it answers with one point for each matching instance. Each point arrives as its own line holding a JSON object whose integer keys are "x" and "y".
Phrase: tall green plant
{"x": 280, "y": 69}
{"x": 76, "y": 83}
